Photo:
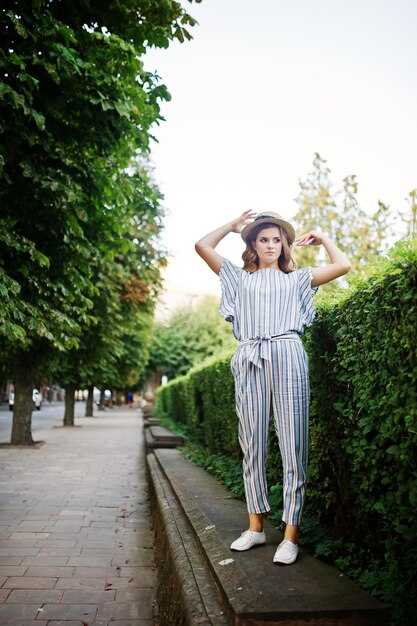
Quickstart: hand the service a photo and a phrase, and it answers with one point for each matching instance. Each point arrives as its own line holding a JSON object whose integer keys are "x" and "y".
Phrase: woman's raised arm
{"x": 205, "y": 247}
{"x": 339, "y": 263}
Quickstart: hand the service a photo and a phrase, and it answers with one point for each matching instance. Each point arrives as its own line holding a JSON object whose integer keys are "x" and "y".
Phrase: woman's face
{"x": 268, "y": 246}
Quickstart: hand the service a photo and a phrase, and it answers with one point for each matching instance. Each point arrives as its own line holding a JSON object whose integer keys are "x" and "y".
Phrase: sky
{"x": 259, "y": 90}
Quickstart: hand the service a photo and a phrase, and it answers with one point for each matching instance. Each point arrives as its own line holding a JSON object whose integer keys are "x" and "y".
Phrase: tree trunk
{"x": 69, "y": 405}
{"x": 89, "y": 405}
{"x": 22, "y": 409}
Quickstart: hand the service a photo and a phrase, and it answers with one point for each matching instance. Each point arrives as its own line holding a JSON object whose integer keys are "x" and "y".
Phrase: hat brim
{"x": 286, "y": 226}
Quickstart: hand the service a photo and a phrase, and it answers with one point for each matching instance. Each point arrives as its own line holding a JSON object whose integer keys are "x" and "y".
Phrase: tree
{"x": 411, "y": 220}
{"x": 76, "y": 109}
{"x": 190, "y": 336}
{"x": 315, "y": 202}
{"x": 361, "y": 235}
{"x": 112, "y": 352}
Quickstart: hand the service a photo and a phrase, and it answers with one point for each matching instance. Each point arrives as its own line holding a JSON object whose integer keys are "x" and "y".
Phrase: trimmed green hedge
{"x": 202, "y": 402}
{"x": 362, "y": 480}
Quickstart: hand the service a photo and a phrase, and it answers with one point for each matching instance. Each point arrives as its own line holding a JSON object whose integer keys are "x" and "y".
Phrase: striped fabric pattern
{"x": 266, "y": 301}
{"x": 281, "y": 389}
{"x": 270, "y": 308}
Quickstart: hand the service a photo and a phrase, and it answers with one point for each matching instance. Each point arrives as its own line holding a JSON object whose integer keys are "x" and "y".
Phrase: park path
{"x": 76, "y": 546}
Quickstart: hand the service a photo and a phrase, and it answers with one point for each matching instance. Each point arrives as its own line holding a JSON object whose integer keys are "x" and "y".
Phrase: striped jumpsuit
{"x": 269, "y": 310}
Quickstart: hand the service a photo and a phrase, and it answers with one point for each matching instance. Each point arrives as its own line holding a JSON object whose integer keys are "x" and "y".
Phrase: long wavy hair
{"x": 286, "y": 263}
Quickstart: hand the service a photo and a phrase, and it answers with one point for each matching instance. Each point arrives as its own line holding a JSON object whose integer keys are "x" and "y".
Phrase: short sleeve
{"x": 229, "y": 278}
{"x": 306, "y": 293}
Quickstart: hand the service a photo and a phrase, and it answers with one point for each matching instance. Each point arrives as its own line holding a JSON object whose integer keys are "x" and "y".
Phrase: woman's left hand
{"x": 312, "y": 238}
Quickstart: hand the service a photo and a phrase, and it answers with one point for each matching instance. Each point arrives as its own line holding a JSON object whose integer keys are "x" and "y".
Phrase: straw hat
{"x": 268, "y": 217}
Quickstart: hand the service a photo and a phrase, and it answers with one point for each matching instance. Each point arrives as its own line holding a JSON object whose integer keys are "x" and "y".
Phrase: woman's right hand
{"x": 205, "y": 247}
{"x": 241, "y": 221}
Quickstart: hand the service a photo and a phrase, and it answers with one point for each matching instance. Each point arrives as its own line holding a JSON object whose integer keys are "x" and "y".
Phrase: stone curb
{"x": 252, "y": 590}
{"x": 159, "y": 437}
{"x": 185, "y": 593}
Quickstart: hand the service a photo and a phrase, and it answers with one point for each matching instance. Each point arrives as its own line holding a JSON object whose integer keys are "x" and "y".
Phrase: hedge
{"x": 362, "y": 479}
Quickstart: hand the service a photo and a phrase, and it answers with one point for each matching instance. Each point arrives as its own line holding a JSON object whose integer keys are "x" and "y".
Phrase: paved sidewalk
{"x": 75, "y": 533}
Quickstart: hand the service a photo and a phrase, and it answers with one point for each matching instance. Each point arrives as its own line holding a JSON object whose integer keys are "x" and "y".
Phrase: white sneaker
{"x": 286, "y": 553}
{"x": 247, "y": 540}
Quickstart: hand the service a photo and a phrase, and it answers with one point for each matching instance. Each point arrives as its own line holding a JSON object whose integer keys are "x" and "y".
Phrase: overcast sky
{"x": 261, "y": 88}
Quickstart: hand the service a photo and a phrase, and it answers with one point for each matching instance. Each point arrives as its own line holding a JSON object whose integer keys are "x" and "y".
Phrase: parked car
{"x": 36, "y": 399}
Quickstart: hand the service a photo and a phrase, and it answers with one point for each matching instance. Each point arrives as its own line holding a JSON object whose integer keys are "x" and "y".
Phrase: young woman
{"x": 269, "y": 302}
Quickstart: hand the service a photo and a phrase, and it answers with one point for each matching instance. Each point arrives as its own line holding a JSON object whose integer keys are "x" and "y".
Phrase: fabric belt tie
{"x": 262, "y": 346}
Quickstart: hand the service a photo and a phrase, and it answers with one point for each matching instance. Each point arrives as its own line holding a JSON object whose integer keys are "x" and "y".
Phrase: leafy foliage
{"x": 114, "y": 350}
{"x": 362, "y": 477}
{"x": 223, "y": 467}
{"x": 190, "y": 336}
{"x": 202, "y": 402}
{"x": 76, "y": 106}
{"x": 76, "y": 111}
{"x": 365, "y": 419}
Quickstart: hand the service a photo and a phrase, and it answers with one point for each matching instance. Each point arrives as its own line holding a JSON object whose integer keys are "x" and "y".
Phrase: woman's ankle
{"x": 291, "y": 533}
{"x": 256, "y": 522}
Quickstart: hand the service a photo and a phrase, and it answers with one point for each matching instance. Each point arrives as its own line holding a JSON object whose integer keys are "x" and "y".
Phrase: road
{"x": 50, "y": 415}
